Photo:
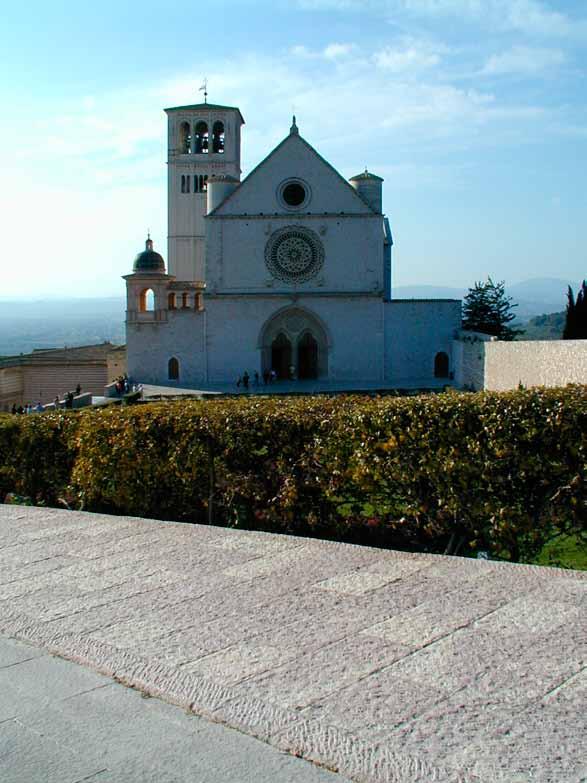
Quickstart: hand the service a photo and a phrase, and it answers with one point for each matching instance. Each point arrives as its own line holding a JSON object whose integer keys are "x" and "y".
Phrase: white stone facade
{"x": 288, "y": 270}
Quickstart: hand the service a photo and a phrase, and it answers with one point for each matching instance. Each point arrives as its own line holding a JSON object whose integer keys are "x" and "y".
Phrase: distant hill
{"x": 544, "y": 327}
{"x": 534, "y": 297}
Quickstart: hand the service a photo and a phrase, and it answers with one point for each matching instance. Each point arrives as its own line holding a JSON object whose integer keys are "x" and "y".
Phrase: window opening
{"x": 201, "y": 138}
{"x": 173, "y": 369}
{"x": 218, "y": 137}
{"x": 184, "y": 300}
{"x": 147, "y": 300}
{"x": 441, "y": 365}
{"x": 171, "y": 301}
{"x": 185, "y": 138}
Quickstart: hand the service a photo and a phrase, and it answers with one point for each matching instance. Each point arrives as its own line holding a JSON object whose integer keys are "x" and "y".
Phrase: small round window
{"x": 294, "y": 194}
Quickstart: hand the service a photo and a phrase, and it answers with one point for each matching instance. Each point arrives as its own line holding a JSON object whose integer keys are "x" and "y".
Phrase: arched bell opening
{"x": 201, "y": 138}
{"x": 185, "y": 138}
{"x": 218, "y": 137}
{"x": 147, "y": 300}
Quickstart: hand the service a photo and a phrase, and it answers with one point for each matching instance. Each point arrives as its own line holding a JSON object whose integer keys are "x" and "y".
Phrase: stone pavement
{"x": 387, "y": 666}
{"x": 61, "y": 723}
{"x": 304, "y": 387}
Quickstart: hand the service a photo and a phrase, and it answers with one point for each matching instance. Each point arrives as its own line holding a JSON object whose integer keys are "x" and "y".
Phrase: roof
{"x": 80, "y": 353}
{"x": 366, "y": 175}
{"x": 297, "y": 136}
{"x": 211, "y": 106}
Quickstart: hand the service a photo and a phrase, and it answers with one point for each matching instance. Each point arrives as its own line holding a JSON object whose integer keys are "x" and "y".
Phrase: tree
{"x": 576, "y": 315}
{"x": 487, "y": 309}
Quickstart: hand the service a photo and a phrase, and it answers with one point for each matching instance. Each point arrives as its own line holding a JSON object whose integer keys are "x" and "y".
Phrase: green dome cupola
{"x": 149, "y": 260}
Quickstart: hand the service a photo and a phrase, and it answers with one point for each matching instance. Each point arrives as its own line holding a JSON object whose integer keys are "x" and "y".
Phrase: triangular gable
{"x": 293, "y": 157}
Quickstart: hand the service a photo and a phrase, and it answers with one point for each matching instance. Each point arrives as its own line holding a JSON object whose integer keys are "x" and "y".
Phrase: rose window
{"x": 294, "y": 254}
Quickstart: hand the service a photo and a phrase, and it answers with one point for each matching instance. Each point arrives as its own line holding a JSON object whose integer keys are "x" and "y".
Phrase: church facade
{"x": 288, "y": 270}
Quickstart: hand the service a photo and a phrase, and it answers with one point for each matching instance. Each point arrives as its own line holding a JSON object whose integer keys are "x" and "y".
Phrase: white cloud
{"x": 530, "y": 17}
{"x": 335, "y": 51}
{"x": 409, "y": 55}
{"x": 524, "y": 60}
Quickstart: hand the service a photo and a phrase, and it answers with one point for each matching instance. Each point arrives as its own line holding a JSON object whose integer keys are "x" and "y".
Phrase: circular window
{"x": 294, "y": 254}
{"x": 293, "y": 194}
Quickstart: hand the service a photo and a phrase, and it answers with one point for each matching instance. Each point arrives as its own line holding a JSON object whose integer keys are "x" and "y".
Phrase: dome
{"x": 149, "y": 260}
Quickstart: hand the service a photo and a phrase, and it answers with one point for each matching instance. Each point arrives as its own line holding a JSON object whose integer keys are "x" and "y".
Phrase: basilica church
{"x": 288, "y": 269}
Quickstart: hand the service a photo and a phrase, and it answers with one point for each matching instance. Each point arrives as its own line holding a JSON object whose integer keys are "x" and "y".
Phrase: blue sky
{"x": 473, "y": 111}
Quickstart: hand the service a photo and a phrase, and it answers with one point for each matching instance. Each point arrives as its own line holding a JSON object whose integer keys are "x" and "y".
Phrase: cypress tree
{"x": 576, "y": 315}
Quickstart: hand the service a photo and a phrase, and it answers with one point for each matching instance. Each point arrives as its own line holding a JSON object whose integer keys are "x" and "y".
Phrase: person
{"x": 273, "y": 375}
{"x": 78, "y": 390}
{"x": 256, "y": 378}
{"x": 246, "y": 380}
{"x": 238, "y": 383}
{"x": 14, "y": 408}
{"x": 39, "y": 407}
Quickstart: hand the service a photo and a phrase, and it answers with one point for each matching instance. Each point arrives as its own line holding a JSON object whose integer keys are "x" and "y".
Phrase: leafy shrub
{"x": 451, "y": 472}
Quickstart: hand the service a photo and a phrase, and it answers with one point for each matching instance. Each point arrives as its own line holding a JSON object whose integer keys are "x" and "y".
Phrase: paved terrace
{"x": 384, "y": 665}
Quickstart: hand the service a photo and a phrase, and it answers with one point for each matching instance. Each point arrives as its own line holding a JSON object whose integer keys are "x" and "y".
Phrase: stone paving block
{"x": 40, "y": 681}
{"x": 26, "y": 757}
{"x": 111, "y": 724}
{"x": 35, "y": 569}
{"x": 535, "y": 614}
{"x": 12, "y": 652}
{"x": 372, "y": 707}
{"x": 438, "y": 616}
{"x": 321, "y": 672}
{"x": 369, "y": 578}
{"x": 500, "y": 742}
{"x": 239, "y": 662}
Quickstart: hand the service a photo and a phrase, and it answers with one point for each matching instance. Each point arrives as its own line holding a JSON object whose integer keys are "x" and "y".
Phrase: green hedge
{"x": 451, "y": 472}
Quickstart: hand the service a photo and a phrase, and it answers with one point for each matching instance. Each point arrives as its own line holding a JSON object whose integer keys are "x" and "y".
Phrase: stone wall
{"x": 415, "y": 331}
{"x": 482, "y": 362}
{"x": 535, "y": 363}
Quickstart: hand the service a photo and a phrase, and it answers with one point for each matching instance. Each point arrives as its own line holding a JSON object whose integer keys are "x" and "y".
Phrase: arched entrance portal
{"x": 281, "y": 356}
{"x": 307, "y": 356}
{"x": 294, "y": 343}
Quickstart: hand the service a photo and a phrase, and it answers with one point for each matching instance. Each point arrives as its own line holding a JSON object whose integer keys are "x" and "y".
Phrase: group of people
{"x": 64, "y": 400}
{"x": 244, "y": 380}
{"x": 28, "y": 408}
{"x": 122, "y": 384}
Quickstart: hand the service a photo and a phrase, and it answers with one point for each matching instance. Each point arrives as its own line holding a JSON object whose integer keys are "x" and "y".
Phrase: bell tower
{"x": 204, "y": 139}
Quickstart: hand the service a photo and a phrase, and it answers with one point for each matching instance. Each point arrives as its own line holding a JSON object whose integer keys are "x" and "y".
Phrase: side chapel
{"x": 289, "y": 269}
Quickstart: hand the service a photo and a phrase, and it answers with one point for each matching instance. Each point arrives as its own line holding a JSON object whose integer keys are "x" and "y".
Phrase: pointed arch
{"x": 307, "y": 335}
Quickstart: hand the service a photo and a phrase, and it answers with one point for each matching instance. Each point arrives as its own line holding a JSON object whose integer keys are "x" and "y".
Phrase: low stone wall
{"x": 534, "y": 363}
{"x": 482, "y": 362}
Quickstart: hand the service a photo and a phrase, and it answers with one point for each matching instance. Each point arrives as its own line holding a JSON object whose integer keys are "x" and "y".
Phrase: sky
{"x": 473, "y": 111}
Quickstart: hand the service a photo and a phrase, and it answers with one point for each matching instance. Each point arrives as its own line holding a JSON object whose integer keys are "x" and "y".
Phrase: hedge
{"x": 452, "y": 472}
